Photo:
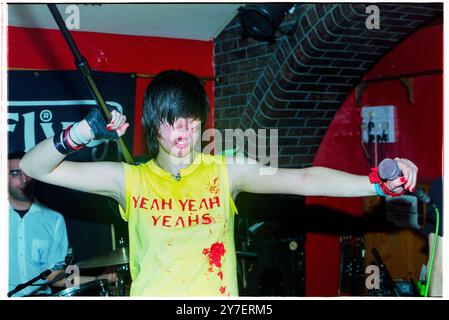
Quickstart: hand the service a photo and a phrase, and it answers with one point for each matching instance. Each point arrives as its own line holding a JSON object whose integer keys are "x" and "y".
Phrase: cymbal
{"x": 117, "y": 257}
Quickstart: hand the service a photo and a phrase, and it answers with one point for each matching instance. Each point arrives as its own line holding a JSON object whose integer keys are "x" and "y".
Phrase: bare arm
{"x": 313, "y": 181}
{"x": 46, "y": 164}
{"x": 110, "y": 277}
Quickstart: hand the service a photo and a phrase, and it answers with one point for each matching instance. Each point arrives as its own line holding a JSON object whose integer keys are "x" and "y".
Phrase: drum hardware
{"x": 118, "y": 258}
{"x": 96, "y": 288}
{"x": 122, "y": 270}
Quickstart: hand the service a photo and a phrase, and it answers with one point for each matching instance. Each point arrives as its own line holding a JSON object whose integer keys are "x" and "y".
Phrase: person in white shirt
{"x": 37, "y": 234}
{"x": 37, "y": 237}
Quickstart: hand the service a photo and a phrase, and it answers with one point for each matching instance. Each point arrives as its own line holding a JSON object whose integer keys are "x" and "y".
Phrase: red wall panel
{"x": 30, "y": 48}
{"x": 419, "y": 133}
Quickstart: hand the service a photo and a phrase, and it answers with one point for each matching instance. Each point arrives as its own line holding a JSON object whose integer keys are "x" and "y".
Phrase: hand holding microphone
{"x": 400, "y": 175}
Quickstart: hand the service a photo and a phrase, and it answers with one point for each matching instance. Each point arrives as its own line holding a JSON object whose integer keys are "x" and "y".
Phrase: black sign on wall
{"x": 40, "y": 104}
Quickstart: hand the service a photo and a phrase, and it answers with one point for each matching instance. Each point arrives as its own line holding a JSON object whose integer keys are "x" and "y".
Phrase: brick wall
{"x": 297, "y": 84}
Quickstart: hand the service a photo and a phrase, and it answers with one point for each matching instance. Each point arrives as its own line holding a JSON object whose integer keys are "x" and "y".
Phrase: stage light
{"x": 261, "y": 21}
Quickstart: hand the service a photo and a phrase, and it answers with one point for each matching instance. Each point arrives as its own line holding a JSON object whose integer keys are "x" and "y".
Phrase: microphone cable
{"x": 432, "y": 255}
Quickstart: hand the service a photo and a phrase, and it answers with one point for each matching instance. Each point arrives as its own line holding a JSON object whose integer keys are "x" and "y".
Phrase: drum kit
{"x": 118, "y": 259}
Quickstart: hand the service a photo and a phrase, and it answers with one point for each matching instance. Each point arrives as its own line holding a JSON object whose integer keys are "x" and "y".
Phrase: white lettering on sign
{"x": 45, "y": 118}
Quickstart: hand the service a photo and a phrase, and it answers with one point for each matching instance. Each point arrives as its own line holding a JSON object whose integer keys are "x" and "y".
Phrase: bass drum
{"x": 97, "y": 288}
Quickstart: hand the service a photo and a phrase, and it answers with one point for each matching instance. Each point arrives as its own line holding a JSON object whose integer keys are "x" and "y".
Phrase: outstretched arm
{"x": 47, "y": 164}
{"x": 313, "y": 181}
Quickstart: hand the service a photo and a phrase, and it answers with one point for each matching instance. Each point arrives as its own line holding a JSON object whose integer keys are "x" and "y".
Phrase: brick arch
{"x": 298, "y": 83}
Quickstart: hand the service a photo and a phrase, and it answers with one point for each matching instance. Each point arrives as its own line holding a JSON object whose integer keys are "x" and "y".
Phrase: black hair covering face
{"x": 171, "y": 95}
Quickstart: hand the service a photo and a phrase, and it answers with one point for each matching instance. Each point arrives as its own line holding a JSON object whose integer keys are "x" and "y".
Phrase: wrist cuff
{"x": 62, "y": 143}
{"x": 374, "y": 176}
{"x": 379, "y": 190}
{"x": 78, "y": 137}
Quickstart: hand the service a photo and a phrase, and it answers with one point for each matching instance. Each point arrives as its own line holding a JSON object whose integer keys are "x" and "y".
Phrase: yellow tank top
{"x": 181, "y": 233}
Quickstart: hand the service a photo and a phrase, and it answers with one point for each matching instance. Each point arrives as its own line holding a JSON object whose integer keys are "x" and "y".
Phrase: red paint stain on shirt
{"x": 215, "y": 253}
{"x": 220, "y": 274}
{"x": 213, "y": 187}
{"x": 222, "y": 290}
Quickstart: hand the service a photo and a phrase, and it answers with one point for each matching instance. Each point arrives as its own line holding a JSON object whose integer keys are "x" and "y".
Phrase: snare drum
{"x": 97, "y": 288}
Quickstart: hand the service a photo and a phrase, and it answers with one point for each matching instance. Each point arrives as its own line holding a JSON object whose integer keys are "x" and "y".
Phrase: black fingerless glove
{"x": 97, "y": 124}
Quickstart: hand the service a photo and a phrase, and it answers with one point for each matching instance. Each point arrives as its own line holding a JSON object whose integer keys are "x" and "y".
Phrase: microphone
{"x": 421, "y": 195}
{"x": 389, "y": 170}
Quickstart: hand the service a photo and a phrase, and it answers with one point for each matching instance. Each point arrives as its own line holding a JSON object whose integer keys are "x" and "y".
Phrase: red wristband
{"x": 374, "y": 176}
{"x": 66, "y": 139}
{"x": 384, "y": 188}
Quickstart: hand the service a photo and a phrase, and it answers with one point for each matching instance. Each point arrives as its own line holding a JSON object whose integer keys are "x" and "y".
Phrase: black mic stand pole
{"x": 388, "y": 280}
{"x": 82, "y": 65}
{"x": 22, "y": 286}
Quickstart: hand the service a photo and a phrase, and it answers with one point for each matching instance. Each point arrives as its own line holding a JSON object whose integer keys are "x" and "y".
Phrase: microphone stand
{"x": 82, "y": 66}
{"x": 388, "y": 280}
{"x": 122, "y": 270}
{"x": 22, "y": 286}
